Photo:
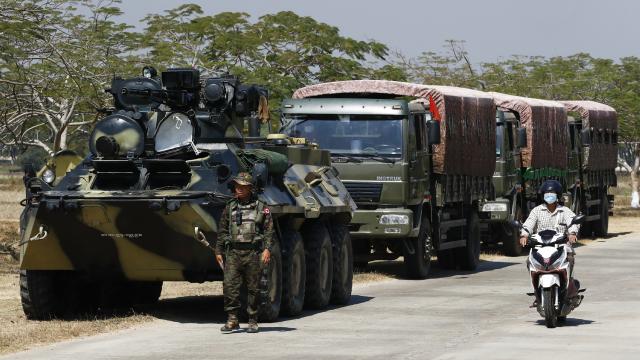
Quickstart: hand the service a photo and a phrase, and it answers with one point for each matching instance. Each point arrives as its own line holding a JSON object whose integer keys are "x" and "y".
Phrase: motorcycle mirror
{"x": 578, "y": 219}
{"x": 516, "y": 224}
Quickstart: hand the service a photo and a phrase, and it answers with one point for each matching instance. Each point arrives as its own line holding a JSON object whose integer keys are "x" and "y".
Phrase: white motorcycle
{"x": 557, "y": 293}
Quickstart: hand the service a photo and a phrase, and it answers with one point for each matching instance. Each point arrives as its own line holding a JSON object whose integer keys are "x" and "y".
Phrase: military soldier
{"x": 244, "y": 236}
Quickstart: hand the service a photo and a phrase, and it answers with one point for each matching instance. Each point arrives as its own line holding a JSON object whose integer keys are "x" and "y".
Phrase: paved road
{"x": 452, "y": 315}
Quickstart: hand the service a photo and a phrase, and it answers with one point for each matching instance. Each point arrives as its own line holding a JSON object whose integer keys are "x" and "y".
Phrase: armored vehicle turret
{"x": 142, "y": 208}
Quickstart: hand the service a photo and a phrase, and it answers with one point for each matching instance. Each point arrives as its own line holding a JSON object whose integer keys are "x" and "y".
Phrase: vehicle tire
{"x": 319, "y": 261}
{"x": 550, "y": 316}
{"x": 144, "y": 292}
{"x": 294, "y": 273}
{"x": 468, "y": 257}
{"x": 447, "y": 259}
{"x": 40, "y": 294}
{"x": 418, "y": 264}
{"x": 511, "y": 236}
{"x": 601, "y": 227}
{"x": 342, "y": 252}
{"x": 271, "y": 286}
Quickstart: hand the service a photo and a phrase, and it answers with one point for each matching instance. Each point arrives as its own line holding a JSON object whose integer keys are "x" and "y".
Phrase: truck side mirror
{"x": 522, "y": 137}
{"x": 433, "y": 132}
{"x": 585, "y": 137}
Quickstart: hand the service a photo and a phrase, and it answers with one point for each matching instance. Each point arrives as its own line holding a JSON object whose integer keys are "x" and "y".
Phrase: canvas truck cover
{"x": 547, "y": 133}
{"x": 602, "y": 120}
{"x": 467, "y": 118}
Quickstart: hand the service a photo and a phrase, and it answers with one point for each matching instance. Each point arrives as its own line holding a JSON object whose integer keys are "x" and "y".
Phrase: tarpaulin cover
{"x": 602, "y": 120}
{"x": 467, "y": 124}
{"x": 547, "y": 129}
{"x": 276, "y": 163}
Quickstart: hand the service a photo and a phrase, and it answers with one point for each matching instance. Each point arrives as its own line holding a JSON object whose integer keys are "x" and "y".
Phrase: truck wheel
{"x": 511, "y": 237}
{"x": 271, "y": 286}
{"x": 40, "y": 294}
{"x": 319, "y": 261}
{"x": 468, "y": 257}
{"x": 601, "y": 227}
{"x": 294, "y": 273}
{"x": 418, "y": 264}
{"x": 144, "y": 292}
{"x": 342, "y": 264}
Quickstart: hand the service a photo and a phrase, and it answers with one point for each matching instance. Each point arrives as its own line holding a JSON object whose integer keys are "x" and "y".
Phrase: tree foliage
{"x": 55, "y": 64}
{"x": 56, "y": 57}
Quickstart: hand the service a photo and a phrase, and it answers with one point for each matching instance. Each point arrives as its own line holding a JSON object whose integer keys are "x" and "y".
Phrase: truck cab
{"x": 379, "y": 148}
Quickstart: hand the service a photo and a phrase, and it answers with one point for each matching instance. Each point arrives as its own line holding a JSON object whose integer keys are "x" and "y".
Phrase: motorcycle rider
{"x": 551, "y": 216}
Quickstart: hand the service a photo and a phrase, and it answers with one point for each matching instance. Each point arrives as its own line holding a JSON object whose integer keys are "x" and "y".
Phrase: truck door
{"x": 417, "y": 157}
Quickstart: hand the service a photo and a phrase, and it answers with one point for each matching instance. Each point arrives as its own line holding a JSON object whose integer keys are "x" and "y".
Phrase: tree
{"x": 55, "y": 65}
{"x": 283, "y": 51}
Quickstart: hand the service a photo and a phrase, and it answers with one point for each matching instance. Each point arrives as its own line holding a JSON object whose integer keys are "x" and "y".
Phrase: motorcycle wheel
{"x": 550, "y": 316}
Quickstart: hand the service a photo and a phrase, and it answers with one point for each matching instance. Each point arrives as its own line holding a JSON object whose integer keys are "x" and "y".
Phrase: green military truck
{"x": 531, "y": 146}
{"x": 593, "y": 157}
{"x": 535, "y": 141}
{"x": 416, "y": 170}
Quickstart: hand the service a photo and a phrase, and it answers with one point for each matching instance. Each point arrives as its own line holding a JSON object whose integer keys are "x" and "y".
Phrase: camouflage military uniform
{"x": 245, "y": 230}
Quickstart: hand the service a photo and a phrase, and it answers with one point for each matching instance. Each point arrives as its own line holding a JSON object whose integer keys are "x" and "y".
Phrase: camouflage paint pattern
{"x": 167, "y": 232}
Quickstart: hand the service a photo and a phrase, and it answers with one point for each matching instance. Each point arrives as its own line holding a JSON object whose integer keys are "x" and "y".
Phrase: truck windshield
{"x": 353, "y": 135}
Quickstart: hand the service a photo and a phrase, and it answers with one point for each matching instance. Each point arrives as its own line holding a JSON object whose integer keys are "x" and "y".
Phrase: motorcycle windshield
{"x": 547, "y": 235}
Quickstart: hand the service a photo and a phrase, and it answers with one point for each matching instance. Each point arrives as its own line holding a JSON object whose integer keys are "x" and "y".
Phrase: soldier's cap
{"x": 243, "y": 178}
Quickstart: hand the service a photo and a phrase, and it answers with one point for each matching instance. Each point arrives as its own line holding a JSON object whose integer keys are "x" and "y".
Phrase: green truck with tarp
{"x": 536, "y": 140}
{"x": 416, "y": 159}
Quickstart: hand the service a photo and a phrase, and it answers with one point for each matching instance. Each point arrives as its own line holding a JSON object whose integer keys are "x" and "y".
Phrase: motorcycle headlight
{"x": 49, "y": 176}
{"x": 537, "y": 260}
{"x": 490, "y": 207}
{"x": 394, "y": 219}
{"x": 557, "y": 258}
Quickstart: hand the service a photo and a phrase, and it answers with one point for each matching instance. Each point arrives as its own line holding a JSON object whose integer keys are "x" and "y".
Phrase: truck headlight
{"x": 48, "y": 176}
{"x": 490, "y": 207}
{"x": 393, "y": 219}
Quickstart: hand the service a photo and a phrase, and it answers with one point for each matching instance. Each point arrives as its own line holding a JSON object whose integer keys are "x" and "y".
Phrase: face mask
{"x": 550, "y": 198}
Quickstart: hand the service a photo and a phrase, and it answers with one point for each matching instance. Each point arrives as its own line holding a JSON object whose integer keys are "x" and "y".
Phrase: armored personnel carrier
{"x": 142, "y": 208}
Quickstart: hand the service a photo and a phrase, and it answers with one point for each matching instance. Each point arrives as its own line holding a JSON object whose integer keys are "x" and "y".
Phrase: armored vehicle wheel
{"x": 418, "y": 263}
{"x": 294, "y": 272}
{"x": 319, "y": 260}
{"x": 601, "y": 226}
{"x": 511, "y": 236}
{"x": 342, "y": 264}
{"x": 468, "y": 257}
{"x": 271, "y": 286}
{"x": 447, "y": 259}
{"x": 42, "y": 298}
{"x": 144, "y": 292}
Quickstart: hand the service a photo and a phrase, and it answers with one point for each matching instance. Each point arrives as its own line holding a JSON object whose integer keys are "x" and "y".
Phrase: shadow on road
{"x": 210, "y": 309}
{"x": 569, "y": 322}
{"x": 395, "y": 269}
{"x": 616, "y": 234}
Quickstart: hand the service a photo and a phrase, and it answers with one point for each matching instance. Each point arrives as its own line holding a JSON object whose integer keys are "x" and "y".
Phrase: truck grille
{"x": 364, "y": 192}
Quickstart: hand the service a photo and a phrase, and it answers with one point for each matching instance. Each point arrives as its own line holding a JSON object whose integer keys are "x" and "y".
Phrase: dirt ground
{"x": 178, "y": 299}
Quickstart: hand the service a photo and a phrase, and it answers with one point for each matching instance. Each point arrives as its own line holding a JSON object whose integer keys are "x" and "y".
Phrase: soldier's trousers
{"x": 242, "y": 267}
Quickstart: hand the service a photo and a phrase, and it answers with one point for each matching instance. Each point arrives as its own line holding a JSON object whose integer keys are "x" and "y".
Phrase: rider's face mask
{"x": 550, "y": 198}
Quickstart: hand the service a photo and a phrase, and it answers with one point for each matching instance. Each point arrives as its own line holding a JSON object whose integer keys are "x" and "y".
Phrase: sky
{"x": 492, "y": 29}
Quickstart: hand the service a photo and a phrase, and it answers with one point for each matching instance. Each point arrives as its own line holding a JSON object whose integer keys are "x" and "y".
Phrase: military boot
{"x": 253, "y": 326}
{"x": 231, "y": 325}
